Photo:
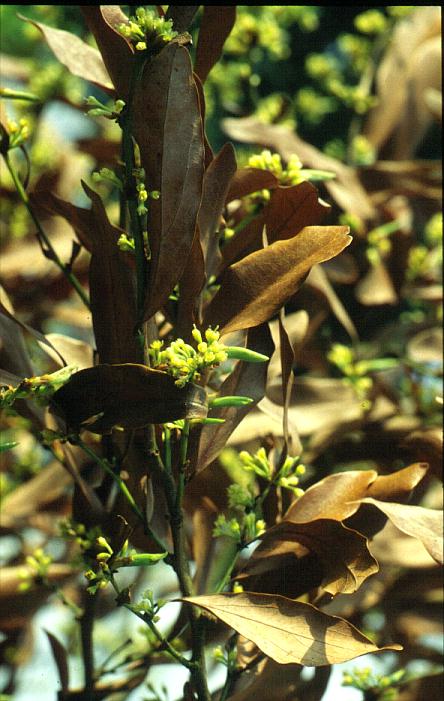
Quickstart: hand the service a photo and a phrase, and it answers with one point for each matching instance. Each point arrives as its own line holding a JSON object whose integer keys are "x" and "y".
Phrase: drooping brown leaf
{"x": 345, "y": 560}
{"x": 410, "y": 67}
{"x": 426, "y": 445}
{"x": 424, "y": 524}
{"x": 33, "y": 495}
{"x": 397, "y": 549}
{"x": 73, "y": 351}
{"x": 168, "y": 129}
{"x": 426, "y": 346}
{"x": 217, "y": 23}
{"x": 345, "y": 189}
{"x": 248, "y": 379}
{"x": 376, "y": 287}
{"x": 111, "y": 291}
{"x": 293, "y": 444}
{"x": 18, "y": 606}
{"x": 337, "y": 495}
{"x": 248, "y": 180}
{"x": 61, "y": 659}
{"x": 289, "y": 210}
{"x": 13, "y": 341}
{"x": 115, "y": 50}
{"x": 181, "y": 15}
{"x": 289, "y": 631}
{"x": 78, "y": 217}
{"x": 13, "y": 351}
{"x": 127, "y": 395}
{"x": 190, "y": 286}
{"x": 319, "y": 280}
{"x": 79, "y": 58}
{"x": 208, "y": 151}
{"x": 215, "y": 185}
{"x": 269, "y": 681}
{"x": 398, "y": 485}
{"x": 292, "y": 208}
{"x": 260, "y": 284}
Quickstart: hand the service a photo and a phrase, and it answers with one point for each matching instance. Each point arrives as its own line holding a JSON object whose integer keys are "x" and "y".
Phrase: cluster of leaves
{"x": 172, "y": 422}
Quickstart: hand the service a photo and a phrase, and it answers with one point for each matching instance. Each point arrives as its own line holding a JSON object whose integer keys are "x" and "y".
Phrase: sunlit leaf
{"x": 345, "y": 560}
{"x": 424, "y": 524}
{"x": 258, "y": 285}
{"x": 289, "y": 631}
{"x": 79, "y": 58}
{"x": 116, "y": 53}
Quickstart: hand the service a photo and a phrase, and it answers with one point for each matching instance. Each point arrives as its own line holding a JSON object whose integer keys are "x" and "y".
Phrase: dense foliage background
{"x": 353, "y": 92}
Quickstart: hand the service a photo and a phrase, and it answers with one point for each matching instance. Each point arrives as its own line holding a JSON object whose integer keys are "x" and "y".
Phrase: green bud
{"x": 228, "y": 401}
{"x": 249, "y": 356}
{"x": 317, "y": 175}
{"x": 208, "y": 421}
{"x": 145, "y": 559}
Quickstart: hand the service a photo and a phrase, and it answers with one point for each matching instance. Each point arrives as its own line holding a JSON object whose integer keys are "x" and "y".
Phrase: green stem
{"x": 227, "y": 574}
{"x": 165, "y": 644}
{"x": 180, "y": 560}
{"x": 86, "y": 635}
{"x": 42, "y": 234}
{"x": 167, "y": 446}
{"x": 136, "y": 230}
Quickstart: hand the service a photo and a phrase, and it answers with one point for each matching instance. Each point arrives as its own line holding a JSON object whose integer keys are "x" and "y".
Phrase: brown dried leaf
{"x": 337, "y": 495}
{"x": 181, "y": 15}
{"x": 346, "y": 189}
{"x": 248, "y": 379}
{"x": 426, "y": 346}
{"x": 289, "y": 210}
{"x": 111, "y": 290}
{"x": 426, "y": 444}
{"x": 292, "y": 208}
{"x": 426, "y": 525}
{"x": 13, "y": 352}
{"x": 395, "y": 548}
{"x": 343, "y": 553}
{"x": 18, "y": 606}
{"x": 217, "y": 23}
{"x": 289, "y": 631}
{"x": 79, "y": 58}
{"x": 376, "y": 287}
{"x": 168, "y": 129}
{"x": 319, "y": 280}
{"x": 215, "y": 185}
{"x": 331, "y": 497}
{"x": 13, "y": 341}
{"x": 73, "y": 351}
{"x": 398, "y": 485}
{"x": 293, "y": 444}
{"x": 115, "y": 50}
{"x": 248, "y": 180}
{"x": 190, "y": 286}
{"x": 260, "y": 284}
{"x": 33, "y": 495}
{"x": 78, "y": 217}
{"x": 127, "y": 395}
{"x": 411, "y": 66}
{"x": 61, "y": 659}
